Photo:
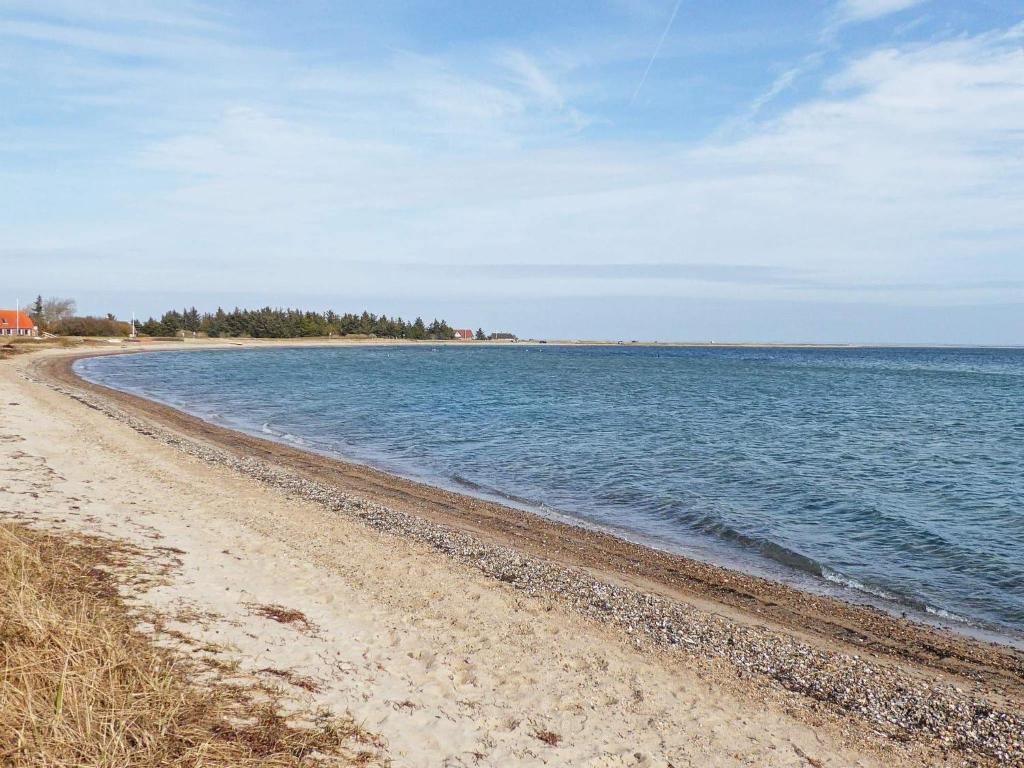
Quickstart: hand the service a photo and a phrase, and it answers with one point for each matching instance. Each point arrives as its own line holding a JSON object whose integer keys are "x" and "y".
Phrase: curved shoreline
{"x": 751, "y": 605}
{"x": 788, "y": 568}
{"x": 575, "y": 544}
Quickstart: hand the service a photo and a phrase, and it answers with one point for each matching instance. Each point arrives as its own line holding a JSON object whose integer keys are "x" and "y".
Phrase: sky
{"x": 757, "y": 170}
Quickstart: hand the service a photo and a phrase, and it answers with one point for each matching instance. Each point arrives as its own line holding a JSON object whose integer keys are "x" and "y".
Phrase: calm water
{"x": 895, "y": 473}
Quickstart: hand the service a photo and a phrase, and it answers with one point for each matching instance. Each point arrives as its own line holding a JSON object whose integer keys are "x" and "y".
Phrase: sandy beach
{"x": 467, "y": 633}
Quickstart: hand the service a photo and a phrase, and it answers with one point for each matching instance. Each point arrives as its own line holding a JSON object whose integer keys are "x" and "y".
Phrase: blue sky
{"x": 842, "y": 170}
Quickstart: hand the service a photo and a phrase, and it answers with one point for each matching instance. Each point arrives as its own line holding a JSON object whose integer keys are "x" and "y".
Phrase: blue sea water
{"x": 896, "y": 475}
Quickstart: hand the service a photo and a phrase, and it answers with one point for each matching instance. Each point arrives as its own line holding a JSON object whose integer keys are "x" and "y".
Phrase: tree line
{"x": 275, "y": 323}
{"x": 57, "y": 315}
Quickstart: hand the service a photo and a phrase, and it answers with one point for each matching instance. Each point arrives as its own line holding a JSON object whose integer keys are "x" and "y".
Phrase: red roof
{"x": 463, "y": 333}
{"x": 11, "y": 319}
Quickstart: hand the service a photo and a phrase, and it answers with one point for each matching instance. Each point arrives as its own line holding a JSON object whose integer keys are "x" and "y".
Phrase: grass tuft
{"x": 80, "y": 685}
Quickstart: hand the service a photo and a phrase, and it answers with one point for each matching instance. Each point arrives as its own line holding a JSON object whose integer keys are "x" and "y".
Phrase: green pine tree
{"x": 37, "y": 311}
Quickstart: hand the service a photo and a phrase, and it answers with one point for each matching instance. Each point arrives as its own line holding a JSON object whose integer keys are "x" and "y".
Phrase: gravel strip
{"x": 893, "y": 701}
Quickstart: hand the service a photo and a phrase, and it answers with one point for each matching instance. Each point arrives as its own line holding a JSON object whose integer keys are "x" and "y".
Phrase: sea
{"x": 891, "y": 476}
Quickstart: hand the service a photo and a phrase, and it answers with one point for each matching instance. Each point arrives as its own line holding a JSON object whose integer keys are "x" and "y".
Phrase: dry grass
{"x": 283, "y": 615}
{"x": 292, "y": 677}
{"x": 548, "y": 737}
{"x": 19, "y": 345}
{"x": 79, "y": 685}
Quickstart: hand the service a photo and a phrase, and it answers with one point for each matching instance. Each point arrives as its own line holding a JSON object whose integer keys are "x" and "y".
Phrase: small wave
{"x": 706, "y": 523}
{"x": 800, "y": 562}
{"x": 286, "y": 437}
{"x": 910, "y": 602}
{"x": 496, "y": 493}
{"x": 846, "y": 581}
{"x": 463, "y": 480}
{"x": 944, "y": 614}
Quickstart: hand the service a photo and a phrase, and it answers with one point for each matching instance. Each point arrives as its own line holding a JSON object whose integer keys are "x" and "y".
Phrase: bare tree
{"x": 56, "y": 310}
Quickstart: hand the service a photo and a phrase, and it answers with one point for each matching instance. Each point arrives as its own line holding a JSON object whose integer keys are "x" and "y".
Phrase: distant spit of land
{"x": 143, "y": 342}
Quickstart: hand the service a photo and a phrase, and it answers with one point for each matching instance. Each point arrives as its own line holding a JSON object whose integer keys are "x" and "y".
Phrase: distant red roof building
{"x": 463, "y": 334}
{"x": 14, "y": 323}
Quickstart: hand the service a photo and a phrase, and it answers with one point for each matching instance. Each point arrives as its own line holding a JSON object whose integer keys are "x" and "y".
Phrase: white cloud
{"x": 866, "y": 10}
{"x": 905, "y": 170}
{"x": 529, "y": 75}
{"x": 908, "y": 167}
{"x": 168, "y": 13}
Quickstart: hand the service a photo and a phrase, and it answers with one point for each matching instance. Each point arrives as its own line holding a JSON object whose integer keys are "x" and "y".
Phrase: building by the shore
{"x": 15, "y": 323}
{"x": 463, "y": 334}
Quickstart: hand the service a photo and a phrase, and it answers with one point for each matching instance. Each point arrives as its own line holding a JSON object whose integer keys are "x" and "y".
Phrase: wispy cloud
{"x": 779, "y": 85}
{"x": 846, "y": 12}
{"x": 867, "y": 10}
{"x": 154, "y": 13}
{"x": 467, "y": 174}
{"x": 909, "y": 154}
{"x": 527, "y": 73}
{"x": 742, "y": 274}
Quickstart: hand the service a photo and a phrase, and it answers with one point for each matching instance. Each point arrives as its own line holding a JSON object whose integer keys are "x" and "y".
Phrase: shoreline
{"x": 720, "y": 555}
{"x": 809, "y": 644}
{"x": 736, "y": 562}
{"x": 280, "y": 581}
{"x": 447, "y": 499}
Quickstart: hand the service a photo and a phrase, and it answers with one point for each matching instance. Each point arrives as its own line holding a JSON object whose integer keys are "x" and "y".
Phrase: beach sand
{"x": 465, "y": 633}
